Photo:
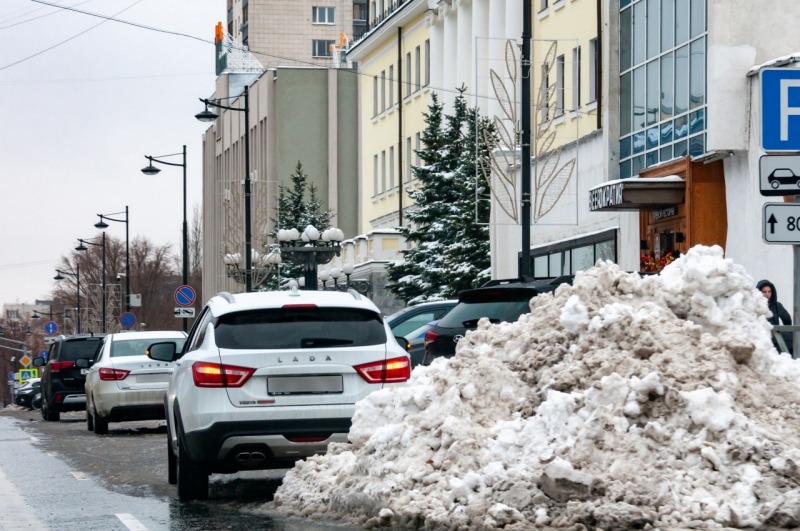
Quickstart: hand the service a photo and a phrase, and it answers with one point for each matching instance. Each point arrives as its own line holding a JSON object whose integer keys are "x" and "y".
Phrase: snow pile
{"x": 620, "y": 402}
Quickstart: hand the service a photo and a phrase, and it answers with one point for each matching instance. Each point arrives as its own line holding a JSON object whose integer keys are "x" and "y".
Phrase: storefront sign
{"x": 665, "y": 213}
{"x": 605, "y": 196}
{"x": 638, "y": 194}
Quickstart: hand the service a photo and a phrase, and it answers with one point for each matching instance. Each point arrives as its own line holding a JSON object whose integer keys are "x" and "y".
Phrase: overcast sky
{"x": 73, "y": 141}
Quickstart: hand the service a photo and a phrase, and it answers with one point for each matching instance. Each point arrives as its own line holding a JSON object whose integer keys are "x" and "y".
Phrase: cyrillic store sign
{"x": 637, "y": 194}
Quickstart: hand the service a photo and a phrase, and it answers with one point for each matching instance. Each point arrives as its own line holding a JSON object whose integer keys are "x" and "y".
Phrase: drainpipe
{"x": 400, "y": 124}
{"x": 599, "y": 73}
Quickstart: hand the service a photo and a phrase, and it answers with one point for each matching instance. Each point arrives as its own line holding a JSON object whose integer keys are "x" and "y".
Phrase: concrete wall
{"x": 571, "y": 218}
{"x": 347, "y": 152}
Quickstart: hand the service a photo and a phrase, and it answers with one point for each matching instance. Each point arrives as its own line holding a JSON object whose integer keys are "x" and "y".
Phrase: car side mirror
{"x": 38, "y": 362}
{"x": 83, "y": 363}
{"x": 161, "y": 351}
{"x": 403, "y": 342}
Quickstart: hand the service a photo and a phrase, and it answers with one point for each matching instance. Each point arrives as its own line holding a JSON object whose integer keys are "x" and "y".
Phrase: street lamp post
{"x": 347, "y": 269}
{"x": 60, "y": 276}
{"x": 102, "y": 225}
{"x": 310, "y": 249}
{"x": 210, "y": 116}
{"x": 152, "y": 170}
{"x": 82, "y": 247}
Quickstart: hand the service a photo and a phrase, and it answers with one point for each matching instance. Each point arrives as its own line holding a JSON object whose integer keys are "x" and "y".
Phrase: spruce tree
{"x": 449, "y": 250}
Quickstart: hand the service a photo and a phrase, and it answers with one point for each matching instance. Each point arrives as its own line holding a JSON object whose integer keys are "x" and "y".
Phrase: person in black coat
{"x": 779, "y": 313}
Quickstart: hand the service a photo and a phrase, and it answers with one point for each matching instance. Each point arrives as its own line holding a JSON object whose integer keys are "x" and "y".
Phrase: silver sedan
{"x": 123, "y": 384}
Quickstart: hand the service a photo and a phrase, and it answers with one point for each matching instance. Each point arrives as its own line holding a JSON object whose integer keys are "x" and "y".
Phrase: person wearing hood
{"x": 779, "y": 313}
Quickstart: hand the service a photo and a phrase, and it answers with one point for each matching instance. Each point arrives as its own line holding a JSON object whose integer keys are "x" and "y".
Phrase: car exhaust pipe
{"x": 250, "y": 458}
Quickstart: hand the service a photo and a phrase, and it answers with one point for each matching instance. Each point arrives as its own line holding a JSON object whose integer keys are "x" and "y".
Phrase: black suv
{"x": 62, "y": 381}
{"x": 498, "y": 300}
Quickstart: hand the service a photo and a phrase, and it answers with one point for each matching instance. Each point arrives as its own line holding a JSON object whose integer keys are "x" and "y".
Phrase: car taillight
{"x": 56, "y": 366}
{"x": 113, "y": 374}
{"x": 216, "y": 375}
{"x": 389, "y": 371}
{"x": 306, "y": 439}
{"x": 430, "y": 337}
{"x": 59, "y": 397}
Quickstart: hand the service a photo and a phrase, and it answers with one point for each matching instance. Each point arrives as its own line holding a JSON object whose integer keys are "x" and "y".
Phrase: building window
{"x": 360, "y": 12}
{"x": 418, "y": 143}
{"x": 408, "y": 74}
{"x": 375, "y": 96}
{"x": 408, "y": 160}
{"x": 244, "y": 14}
{"x": 427, "y": 62}
{"x": 576, "y": 78}
{"x": 417, "y": 78}
{"x": 322, "y": 48}
{"x": 391, "y": 87}
{"x": 323, "y": 15}
{"x": 594, "y": 79}
{"x": 560, "y": 85}
{"x": 383, "y": 90}
{"x": 391, "y": 168}
{"x": 567, "y": 258}
{"x": 383, "y": 171}
{"x": 542, "y": 5}
{"x": 375, "y": 176}
{"x": 662, "y": 82}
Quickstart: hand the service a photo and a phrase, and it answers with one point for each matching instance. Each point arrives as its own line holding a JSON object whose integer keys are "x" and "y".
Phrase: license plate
{"x": 305, "y": 385}
{"x": 84, "y": 371}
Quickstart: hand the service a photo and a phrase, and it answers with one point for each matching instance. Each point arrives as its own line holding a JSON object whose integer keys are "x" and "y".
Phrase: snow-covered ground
{"x": 620, "y": 402}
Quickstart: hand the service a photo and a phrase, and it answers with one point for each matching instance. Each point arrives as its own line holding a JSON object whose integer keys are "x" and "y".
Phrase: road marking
{"x": 80, "y": 476}
{"x": 12, "y": 505}
{"x": 131, "y": 522}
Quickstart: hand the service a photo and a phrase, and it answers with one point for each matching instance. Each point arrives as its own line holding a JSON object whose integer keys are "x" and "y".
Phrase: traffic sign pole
{"x": 796, "y": 312}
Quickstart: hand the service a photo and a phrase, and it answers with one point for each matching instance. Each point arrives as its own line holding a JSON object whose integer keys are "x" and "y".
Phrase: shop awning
{"x": 637, "y": 194}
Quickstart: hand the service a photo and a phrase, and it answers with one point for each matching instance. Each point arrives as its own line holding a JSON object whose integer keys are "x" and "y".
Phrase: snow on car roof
{"x": 222, "y": 304}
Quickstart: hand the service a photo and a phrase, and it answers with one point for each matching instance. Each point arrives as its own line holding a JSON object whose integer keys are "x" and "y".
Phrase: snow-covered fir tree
{"x": 449, "y": 250}
{"x": 294, "y": 211}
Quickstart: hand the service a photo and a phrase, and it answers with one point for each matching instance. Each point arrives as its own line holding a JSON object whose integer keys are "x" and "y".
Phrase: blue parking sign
{"x": 780, "y": 109}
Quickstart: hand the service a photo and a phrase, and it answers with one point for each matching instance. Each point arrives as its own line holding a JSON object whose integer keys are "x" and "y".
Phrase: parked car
{"x": 25, "y": 394}
{"x": 268, "y": 378}
{"x": 123, "y": 384}
{"x": 416, "y": 343}
{"x": 498, "y": 300}
{"x": 783, "y": 176}
{"x": 409, "y": 319}
{"x": 62, "y": 380}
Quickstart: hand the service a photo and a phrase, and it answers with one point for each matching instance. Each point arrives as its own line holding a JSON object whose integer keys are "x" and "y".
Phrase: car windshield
{"x": 138, "y": 347}
{"x": 468, "y": 314}
{"x": 77, "y": 349}
{"x": 283, "y": 328}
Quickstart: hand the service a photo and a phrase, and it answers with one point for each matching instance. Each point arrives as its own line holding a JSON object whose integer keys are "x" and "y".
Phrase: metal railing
{"x": 778, "y": 337}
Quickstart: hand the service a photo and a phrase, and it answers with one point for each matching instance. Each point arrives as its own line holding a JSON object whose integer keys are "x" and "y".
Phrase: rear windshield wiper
{"x": 309, "y": 342}
{"x": 472, "y": 323}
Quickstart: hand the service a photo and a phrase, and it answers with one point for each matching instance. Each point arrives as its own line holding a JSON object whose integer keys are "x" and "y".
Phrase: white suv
{"x": 268, "y": 378}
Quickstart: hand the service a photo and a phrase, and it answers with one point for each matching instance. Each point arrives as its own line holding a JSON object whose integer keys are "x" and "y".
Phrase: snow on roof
{"x": 780, "y": 61}
{"x": 656, "y": 180}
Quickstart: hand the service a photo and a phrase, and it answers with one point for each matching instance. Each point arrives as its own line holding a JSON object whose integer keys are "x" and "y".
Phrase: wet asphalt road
{"x": 60, "y": 476}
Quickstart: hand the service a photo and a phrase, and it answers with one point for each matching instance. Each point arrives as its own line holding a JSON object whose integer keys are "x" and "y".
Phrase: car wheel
{"x": 172, "y": 463}
{"x": 775, "y": 184}
{"x": 192, "y": 477}
{"x": 89, "y": 421}
{"x": 100, "y": 423}
{"x": 48, "y": 414}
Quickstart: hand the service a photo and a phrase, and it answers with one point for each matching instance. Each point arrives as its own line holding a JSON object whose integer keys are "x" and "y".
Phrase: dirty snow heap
{"x": 619, "y": 402}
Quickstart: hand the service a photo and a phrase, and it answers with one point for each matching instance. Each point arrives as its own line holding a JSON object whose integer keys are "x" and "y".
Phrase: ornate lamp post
{"x": 335, "y": 275}
{"x": 102, "y": 225}
{"x": 262, "y": 266}
{"x": 310, "y": 249}
{"x": 82, "y": 247}
{"x": 324, "y": 276}
{"x": 347, "y": 269}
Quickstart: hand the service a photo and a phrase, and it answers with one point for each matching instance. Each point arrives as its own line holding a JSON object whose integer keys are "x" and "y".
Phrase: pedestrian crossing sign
{"x": 27, "y": 374}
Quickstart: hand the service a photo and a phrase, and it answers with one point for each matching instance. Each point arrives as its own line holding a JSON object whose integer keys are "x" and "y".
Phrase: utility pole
{"x": 525, "y": 259}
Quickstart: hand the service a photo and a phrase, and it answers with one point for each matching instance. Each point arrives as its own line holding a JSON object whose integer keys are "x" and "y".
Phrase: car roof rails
{"x": 522, "y": 279}
{"x": 227, "y": 296}
{"x": 356, "y": 295}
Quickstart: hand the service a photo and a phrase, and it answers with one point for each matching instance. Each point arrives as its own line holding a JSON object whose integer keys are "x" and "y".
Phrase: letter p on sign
{"x": 780, "y": 109}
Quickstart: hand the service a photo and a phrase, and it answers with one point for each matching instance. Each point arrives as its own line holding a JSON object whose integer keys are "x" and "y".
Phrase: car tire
{"x": 89, "y": 421}
{"x": 192, "y": 477}
{"x": 100, "y": 423}
{"x": 172, "y": 463}
{"x": 775, "y": 185}
{"x": 48, "y": 414}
